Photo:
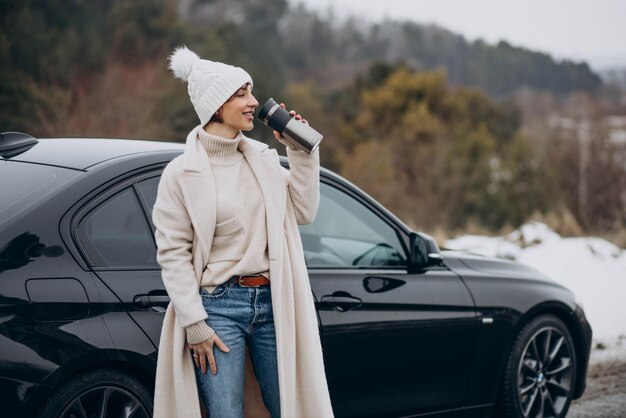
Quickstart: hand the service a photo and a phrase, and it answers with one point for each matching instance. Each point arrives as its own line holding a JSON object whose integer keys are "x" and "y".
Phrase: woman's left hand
{"x": 203, "y": 355}
{"x": 293, "y": 113}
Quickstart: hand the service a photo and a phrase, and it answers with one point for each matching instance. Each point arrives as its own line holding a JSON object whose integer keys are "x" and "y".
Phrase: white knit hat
{"x": 210, "y": 84}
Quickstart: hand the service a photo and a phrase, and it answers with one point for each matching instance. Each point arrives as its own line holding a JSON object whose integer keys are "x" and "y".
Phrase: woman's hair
{"x": 216, "y": 117}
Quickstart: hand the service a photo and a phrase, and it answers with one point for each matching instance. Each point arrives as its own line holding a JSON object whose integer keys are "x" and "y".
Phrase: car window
{"x": 346, "y": 234}
{"x": 116, "y": 234}
{"x": 25, "y": 185}
{"x": 148, "y": 191}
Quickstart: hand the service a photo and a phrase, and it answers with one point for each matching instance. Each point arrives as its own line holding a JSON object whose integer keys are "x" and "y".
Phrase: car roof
{"x": 82, "y": 153}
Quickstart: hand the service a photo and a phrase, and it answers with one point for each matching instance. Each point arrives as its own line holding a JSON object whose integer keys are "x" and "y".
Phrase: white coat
{"x": 184, "y": 216}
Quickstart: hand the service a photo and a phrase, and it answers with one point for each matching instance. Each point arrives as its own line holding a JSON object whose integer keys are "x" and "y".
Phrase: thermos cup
{"x": 298, "y": 134}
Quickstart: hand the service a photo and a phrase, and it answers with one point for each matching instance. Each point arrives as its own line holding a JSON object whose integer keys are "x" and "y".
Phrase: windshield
{"x": 23, "y": 185}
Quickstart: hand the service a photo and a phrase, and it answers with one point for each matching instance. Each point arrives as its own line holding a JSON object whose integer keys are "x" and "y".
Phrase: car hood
{"x": 492, "y": 266}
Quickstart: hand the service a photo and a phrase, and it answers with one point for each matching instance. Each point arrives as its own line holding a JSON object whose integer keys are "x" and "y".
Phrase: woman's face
{"x": 237, "y": 113}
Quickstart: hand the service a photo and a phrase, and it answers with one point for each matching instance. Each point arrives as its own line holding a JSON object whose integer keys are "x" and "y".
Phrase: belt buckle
{"x": 240, "y": 283}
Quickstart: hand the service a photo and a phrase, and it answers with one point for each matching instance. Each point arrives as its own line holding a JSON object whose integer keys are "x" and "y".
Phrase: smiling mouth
{"x": 249, "y": 115}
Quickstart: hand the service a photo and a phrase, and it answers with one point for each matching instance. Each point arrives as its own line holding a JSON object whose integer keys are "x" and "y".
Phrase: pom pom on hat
{"x": 209, "y": 84}
{"x": 182, "y": 61}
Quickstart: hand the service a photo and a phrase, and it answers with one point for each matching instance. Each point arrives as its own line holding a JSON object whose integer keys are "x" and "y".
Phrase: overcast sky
{"x": 581, "y": 30}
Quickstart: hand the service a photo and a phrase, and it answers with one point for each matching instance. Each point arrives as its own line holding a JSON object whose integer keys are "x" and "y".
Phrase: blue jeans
{"x": 240, "y": 316}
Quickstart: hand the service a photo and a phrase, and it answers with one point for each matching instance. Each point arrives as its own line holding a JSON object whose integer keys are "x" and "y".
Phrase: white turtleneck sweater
{"x": 239, "y": 245}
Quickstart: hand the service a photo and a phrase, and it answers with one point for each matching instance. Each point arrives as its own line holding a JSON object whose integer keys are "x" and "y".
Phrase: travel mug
{"x": 299, "y": 135}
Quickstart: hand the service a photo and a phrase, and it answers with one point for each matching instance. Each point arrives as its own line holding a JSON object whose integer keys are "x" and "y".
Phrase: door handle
{"x": 374, "y": 284}
{"x": 154, "y": 301}
{"x": 342, "y": 301}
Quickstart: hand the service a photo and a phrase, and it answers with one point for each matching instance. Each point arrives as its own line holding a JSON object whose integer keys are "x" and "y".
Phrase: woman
{"x": 226, "y": 219}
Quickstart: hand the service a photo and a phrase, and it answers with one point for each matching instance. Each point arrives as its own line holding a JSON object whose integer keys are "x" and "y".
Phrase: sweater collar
{"x": 219, "y": 149}
{"x": 196, "y": 159}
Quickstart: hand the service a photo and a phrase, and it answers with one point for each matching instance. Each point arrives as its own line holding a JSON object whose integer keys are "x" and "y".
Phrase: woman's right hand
{"x": 203, "y": 353}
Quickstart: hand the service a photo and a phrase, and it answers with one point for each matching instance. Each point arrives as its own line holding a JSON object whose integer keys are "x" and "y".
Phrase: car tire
{"x": 540, "y": 372}
{"x": 101, "y": 393}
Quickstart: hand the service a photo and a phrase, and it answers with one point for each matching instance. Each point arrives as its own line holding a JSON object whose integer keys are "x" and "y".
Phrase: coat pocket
{"x": 227, "y": 228}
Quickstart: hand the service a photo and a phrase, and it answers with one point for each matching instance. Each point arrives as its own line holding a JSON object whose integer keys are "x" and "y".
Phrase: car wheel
{"x": 102, "y": 393}
{"x": 541, "y": 371}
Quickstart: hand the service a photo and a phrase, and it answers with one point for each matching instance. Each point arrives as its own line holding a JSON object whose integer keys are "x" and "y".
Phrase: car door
{"x": 115, "y": 234}
{"x": 395, "y": 341}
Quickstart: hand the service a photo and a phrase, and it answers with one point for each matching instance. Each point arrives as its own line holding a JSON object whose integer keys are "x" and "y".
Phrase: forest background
{"x": 451, "y": 135}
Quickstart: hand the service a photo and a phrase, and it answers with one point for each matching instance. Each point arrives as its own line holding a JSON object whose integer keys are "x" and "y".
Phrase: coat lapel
{"x": 199, "y": 191}
{"x": 265, "y": 165}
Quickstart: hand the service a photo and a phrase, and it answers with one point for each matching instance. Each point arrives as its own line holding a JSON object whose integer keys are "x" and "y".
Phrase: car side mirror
{"x": 424, "y": 251}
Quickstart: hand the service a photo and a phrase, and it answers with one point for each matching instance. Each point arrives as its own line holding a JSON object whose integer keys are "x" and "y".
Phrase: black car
{"x": 407, "y": 329}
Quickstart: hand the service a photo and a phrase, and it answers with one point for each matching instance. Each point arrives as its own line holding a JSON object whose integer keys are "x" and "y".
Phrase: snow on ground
{"x": 594, "y": 269}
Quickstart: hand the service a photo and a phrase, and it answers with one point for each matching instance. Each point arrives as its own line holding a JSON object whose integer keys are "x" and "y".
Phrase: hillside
{"x": 615, "y": 76}
{"x": 333, "y": 51}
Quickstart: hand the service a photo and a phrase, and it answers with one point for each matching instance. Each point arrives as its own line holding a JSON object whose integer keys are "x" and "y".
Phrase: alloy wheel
{"x": 545, "y": 374}
{"x": 105, "y": 402}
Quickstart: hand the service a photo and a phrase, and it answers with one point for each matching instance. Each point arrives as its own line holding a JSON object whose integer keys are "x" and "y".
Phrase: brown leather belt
{"x": 251, "y": 281}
